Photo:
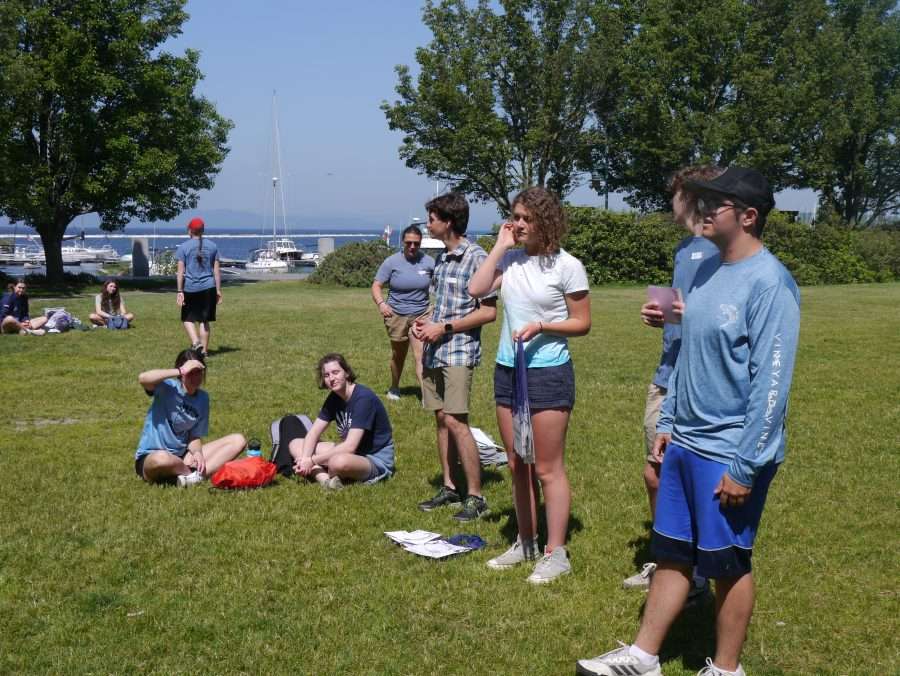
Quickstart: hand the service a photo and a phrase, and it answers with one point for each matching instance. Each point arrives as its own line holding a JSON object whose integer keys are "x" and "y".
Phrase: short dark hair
{"x": 414, "y": 229}
{"x": 186, "y": 355}
{"x": 451, "y": 207}
{"x": 339, "y": 358}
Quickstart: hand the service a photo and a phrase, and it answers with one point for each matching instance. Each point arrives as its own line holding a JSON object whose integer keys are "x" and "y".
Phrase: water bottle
{"x": 253, "y": 448}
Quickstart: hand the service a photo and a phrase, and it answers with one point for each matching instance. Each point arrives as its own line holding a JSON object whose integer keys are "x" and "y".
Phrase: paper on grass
{"x": 436, "y": 549}
{"x": 664, "y": 296}
{"x": 416, "y": 537}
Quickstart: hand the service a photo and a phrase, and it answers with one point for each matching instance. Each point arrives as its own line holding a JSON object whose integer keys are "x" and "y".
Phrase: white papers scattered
{"x": 416, "y": 537}
{"x": 425, "y": 543}
{"x": 436, "y": 549}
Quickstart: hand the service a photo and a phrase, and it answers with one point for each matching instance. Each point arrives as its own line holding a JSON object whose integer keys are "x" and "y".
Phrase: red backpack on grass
{"x": 249, "y": 472}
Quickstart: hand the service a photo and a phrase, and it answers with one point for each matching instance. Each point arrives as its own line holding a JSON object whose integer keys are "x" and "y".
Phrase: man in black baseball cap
{"x": 745, "y": 188}
{"x": 721, "y": 427}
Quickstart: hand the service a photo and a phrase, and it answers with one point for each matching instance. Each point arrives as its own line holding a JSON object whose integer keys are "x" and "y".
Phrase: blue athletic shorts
{"x": 692, "y": 528}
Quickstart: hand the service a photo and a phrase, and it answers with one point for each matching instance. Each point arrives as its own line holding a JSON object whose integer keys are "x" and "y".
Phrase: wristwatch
{"x": 448, "y": 328}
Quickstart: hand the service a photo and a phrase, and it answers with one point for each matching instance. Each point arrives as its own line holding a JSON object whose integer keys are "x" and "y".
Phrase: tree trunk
{"x": 51, "y": 239}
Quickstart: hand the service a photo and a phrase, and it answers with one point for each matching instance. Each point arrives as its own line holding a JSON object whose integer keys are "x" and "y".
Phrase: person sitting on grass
{"x": 109, "y": 303}
{"x": 171, "y": 449}
{"x": 366, "y": 450}
{"x": 14, "y": 317}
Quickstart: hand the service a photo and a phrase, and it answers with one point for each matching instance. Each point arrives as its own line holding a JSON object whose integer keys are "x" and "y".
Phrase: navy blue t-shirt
{"x": 363, "y": 411}
{"x": 14, "y": 305}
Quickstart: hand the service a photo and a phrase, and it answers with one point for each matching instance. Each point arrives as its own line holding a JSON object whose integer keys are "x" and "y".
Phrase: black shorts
{"x": 548, "y": 387}
{"x": 199, "y": 306}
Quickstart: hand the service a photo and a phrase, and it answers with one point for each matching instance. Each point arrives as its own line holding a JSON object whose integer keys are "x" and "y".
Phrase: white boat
{"x": 78, "y": 253}
{"x": 266, "y": 260}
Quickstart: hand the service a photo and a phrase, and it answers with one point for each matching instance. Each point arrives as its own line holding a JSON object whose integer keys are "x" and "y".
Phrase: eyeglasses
{"x": 710, "y": 206}
{"x": 407, "y": 243}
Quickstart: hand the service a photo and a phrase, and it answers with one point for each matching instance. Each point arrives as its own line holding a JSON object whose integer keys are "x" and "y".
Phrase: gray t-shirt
{"x": 409, "y": 282}
{"x": 198, "y": 263}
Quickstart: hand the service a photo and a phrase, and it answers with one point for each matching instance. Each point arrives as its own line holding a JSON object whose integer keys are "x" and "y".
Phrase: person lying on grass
{"x": 366, "y": 450}
{"x": 171, "y": 449}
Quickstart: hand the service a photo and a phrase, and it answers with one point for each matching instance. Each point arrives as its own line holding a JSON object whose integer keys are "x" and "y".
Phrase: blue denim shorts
{"x": 692, "y": 528}
{"x": 548, "y": 386}
{"x": 382, "y": 462}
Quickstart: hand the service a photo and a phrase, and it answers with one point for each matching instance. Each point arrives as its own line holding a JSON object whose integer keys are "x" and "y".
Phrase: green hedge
{"x": 631, "y": 248}
{"x": 352, "y": 265}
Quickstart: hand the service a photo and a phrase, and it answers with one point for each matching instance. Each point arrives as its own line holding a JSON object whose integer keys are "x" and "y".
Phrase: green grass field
{"x": 102, "y": 574}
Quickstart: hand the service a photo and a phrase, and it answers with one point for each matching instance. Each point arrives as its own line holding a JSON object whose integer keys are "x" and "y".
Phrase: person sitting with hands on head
{"x": 366, "y": 450}
{"x": 171, "y": 447}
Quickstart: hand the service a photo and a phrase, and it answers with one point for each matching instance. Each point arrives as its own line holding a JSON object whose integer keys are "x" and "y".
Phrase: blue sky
{"x": 332, "y": 64}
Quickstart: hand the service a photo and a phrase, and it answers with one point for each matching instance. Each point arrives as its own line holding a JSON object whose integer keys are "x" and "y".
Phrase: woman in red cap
{"x": 199, "y": 285}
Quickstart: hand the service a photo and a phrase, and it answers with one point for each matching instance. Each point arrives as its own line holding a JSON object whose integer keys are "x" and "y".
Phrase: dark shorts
{"x": 691, "y": 527}
{"x": 139, "y": 469}
{"x": 199, "y": 306}
{"x": 548, "y": 387}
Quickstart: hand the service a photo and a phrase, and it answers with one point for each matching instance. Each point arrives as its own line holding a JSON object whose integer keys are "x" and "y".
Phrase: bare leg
{"x": 668, "y": 592}
{"x": 191, "y": 332}
{"x": 129, "y": 316}
{"x": 38, "y": 322}
{"x": 349, "y": 466}
{"x": 458, "y": 426}
{"x": 524, "y": 495}
{"x": 446, "y": 449}
{"x": 10, "y": 325}
{"x": 204, "y": 335}
{"x": 417, "y": 355}
{"x": 161, "y": 465}
{"x": 651, "y": 481}
{"x": 97, "y": 319}
{"x": 734, "y": 607}
{"x": 218, "y": 452}
{"x": 398, "y": 357}
{"x": 550, "y": 426}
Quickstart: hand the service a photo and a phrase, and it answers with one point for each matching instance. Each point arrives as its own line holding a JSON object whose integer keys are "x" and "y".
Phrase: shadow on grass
{"x": 223, "y": 349}
{"x": 641, "y": 547}
{"x": 692, "y": 637}
{"x": 510, "y": 530}
{"x": 489, "y": 476}
{"x": 411, "y": 391}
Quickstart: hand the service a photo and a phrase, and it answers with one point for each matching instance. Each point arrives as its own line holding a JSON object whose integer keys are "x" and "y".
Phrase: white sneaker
{"x": 618, "y": 662}
{"x": 333, "y": 484}
{"x": 551, "y": 566}
{"x": 514, "y": 555}
{"x": 712, "y": 670}
{"x": 192, "y": 479}
{"x": 393, "y": 394}
{"x": 642, "y": 579}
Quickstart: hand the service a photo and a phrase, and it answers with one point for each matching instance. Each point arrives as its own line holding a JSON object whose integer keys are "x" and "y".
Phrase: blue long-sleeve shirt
{"x": 14, "y": 305}
{"x": 690, "y": 254}
{"x": 728, "y": 394}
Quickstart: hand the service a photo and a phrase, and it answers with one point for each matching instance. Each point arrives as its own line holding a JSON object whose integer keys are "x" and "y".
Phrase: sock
{"x": 725, "y": 672}
{"x": 644, "y": 657}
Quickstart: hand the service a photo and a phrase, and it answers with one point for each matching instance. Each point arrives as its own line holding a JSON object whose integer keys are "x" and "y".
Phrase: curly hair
{"x": 546, "y": 215}
{"x": 339, "y": 358}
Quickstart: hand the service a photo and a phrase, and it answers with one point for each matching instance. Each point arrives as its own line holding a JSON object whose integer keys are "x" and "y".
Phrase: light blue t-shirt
{"x": 534, "y": 288}
{"x": 409, "y": 282}
{"x": 690, "y": 253}
{"x": 728, "y": 395}
{"x": 198, "y": 263}
{"x": 174, "y": 418}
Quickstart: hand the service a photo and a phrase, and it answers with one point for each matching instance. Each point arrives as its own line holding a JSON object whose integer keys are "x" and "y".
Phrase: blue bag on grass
{"x": 117, "y": 322}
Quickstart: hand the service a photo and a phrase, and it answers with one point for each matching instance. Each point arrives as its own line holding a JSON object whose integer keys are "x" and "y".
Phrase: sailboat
{"x": 279, "y": 252}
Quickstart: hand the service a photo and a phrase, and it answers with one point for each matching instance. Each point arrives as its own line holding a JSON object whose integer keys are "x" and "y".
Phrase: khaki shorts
{"x": 447, "y": 388}
{"x": 399, "y": 326}
{"x": 655, "y": 396}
